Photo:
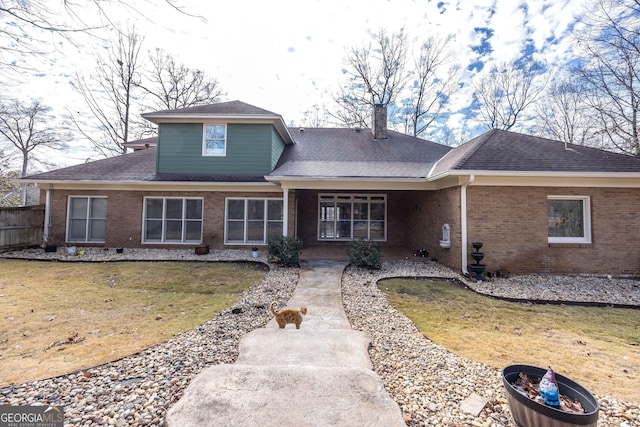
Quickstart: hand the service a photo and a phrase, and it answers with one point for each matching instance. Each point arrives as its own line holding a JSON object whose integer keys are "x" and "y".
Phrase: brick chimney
{"x": 379, "y": 121}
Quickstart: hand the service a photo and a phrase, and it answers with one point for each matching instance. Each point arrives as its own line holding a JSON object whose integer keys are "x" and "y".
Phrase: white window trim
{"x": 183, "y": 241}
{"x": 67, "y": 237}
{"x": 246, "y": 242}
{"x": 586, "y": 220}
{"x": 352, "y": 200}
{"x": 204, "y": 140}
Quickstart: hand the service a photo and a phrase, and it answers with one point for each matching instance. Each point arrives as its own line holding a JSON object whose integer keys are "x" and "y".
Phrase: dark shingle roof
{"x": 231, "y": 110}
{"x": 139, "y": 166}
{"x": 330, "y": 152}
{"x": 499, "y": 150}
{"x": 238, "y": 108}
{"x": 345, "y": 153}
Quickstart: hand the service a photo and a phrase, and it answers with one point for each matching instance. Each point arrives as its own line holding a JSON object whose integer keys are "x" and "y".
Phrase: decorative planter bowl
{"x": 202, "y": 250}
{"x": 529, "y": 413}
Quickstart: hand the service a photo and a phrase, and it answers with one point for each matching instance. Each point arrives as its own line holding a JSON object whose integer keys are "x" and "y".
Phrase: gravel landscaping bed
{"x": 428, "y": 382}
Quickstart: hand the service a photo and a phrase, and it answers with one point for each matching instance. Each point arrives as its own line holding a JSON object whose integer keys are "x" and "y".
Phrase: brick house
{"x": 233, "y": 175}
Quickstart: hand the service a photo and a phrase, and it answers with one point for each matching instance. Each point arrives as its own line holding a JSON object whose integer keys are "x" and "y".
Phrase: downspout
{"x": 285, "y": 212}
{"x": 47, "y": 215}
{"x": 463, "y": 221}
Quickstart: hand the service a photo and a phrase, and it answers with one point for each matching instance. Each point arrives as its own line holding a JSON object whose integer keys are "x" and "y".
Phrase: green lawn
{"x": 110, "y": 309}
{"x": 598, "y": 347}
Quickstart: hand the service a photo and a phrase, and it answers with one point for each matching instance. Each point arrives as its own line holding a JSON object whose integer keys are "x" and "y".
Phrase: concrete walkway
{"x": 318, "y": 375}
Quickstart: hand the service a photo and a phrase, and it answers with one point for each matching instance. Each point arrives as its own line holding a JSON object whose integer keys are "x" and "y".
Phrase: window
{"x": 569, "y": 219}
{"x": 172, "y": 220}
{"x": 253, "y": 221}
{"x": 348, "y": 217}
{"x": 87, "y": 219}
{"x": 214, "y": 141}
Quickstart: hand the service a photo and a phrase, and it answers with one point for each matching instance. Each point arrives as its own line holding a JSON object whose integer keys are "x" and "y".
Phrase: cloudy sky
{"x": 287, "y": 55}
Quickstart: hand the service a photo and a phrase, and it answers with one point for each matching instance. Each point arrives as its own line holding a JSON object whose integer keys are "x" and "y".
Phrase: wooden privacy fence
{"x": 21, "y": 227}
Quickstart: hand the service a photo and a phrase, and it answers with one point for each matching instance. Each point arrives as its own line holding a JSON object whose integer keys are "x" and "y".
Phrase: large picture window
{"x": 352, "y": 216}
{"x": 214, "y": 141}
{"x": 569, "y": 219}
{"x": 172, "y": 220}
{"x": 87, "y": 219}
{"x": 253, "y": 221}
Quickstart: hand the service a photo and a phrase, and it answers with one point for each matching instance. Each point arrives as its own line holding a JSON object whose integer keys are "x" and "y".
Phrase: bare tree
{"x": 430, "y": 92}
{"x": 563, "y": 114}
{"x": 109, "y": 95}
{"x": 28, "y": 127}
{"x": 611, "y": 70}
{"x": 167, "y": 84}
{"x": 26, "y": 27}
{"x": 505, "y": 93}
{"x": 378, "y": 73}
{"x": 171, "y": 85}
{"x": 316, "y": 116}
{"x": 375, "y": 74}
{"x": 9, "y": 188}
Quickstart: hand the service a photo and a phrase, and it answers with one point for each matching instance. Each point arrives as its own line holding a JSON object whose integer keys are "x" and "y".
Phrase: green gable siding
{"x": 277, "y": 147}
{"x": 179, "y": 145}
{"x": 249, "y": 149}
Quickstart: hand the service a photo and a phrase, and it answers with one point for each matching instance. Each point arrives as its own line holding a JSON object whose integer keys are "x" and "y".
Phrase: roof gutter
{"x": 533, "y": 174}
{"x": 151, "y": 185}
{"x": 463, "y": 222}
{"x": 201, "y": 116}
{"x": 280, "y": 178}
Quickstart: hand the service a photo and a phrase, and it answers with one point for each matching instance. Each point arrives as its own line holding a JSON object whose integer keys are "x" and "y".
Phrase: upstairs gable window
{"x": 214, "y": 141}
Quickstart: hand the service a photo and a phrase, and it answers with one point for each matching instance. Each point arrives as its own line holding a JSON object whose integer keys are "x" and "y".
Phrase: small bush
{"x": 285, "y": 251}
{"x": 364, "y": 253}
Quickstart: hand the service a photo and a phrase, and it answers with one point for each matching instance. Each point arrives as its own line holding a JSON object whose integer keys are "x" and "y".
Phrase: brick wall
{"x": 428, "y": 212}
{"x": 512, "y": 223}
{"x": 124, "y": 215}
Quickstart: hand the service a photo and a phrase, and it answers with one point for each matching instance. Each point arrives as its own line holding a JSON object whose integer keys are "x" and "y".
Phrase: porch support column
{"x": 47, "y": 214}
{"x": 285, "y": 212}
{"x": 463, "y": 222}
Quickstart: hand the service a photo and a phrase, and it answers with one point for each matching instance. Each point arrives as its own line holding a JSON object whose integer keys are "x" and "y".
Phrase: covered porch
{"x": 403, "y": 221}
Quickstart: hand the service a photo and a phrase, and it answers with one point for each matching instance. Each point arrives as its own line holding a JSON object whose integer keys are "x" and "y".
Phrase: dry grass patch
{"x": 61, "y": 317}
{"x": 595, "y": 346}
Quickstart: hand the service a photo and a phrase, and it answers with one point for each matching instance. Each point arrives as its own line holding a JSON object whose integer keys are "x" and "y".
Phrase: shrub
{"x": 285, "y": 251}
{"x": 364, "y": 253}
